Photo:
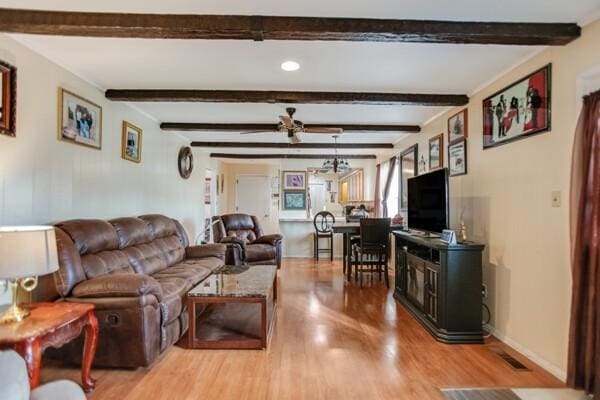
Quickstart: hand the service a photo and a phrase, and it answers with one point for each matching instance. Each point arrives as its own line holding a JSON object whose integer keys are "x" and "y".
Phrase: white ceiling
{"x": 325, "y": 66}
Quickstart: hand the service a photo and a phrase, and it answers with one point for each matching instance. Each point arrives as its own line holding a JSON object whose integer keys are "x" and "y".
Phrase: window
{"x": 393, "y": 199}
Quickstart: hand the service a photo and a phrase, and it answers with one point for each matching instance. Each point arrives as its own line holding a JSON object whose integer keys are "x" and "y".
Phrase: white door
{"x": 317, "y": 197}
{"x": 253, "y": 195}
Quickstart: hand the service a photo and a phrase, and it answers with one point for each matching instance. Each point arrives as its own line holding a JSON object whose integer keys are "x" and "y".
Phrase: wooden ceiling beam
{"x": 243, "y": 127}
{"x": 282, "y": 145}
{"x": 289, "y": 156}
{"x": 273, "y": 97}
{"x": 258, "y": 28}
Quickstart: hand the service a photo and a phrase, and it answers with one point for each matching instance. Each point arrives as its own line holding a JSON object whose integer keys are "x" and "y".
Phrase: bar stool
{"x": 323, "y": 222}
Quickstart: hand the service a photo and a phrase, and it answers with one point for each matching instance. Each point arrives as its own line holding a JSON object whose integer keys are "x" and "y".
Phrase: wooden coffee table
{"x": 234, "y": 308}
{"x": 52, "y": 324}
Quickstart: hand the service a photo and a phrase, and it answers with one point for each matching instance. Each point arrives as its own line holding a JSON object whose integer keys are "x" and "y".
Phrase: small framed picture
{"x": 458, "y": 126}
{"x": 457, "y": 158}
{"x": 131, "y": 147}
{"x": 294, "y": 180}
{"x": 294, "y": 200}
{"x": 222, "y": 183}
{"x": 8, "y": 99}
{"x": 436, "y": 154}
{"x": 79, "y": 120}
{"x": 519, "y": 110}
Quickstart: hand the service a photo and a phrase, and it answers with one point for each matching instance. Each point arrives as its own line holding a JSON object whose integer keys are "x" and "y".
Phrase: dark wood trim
{"x": 258, "y": 28}
{"x": 242, "y": 127}
{"x": 282, "y": 145}
{"x": 265, "y": 96}
{"x": 290, "y": 156}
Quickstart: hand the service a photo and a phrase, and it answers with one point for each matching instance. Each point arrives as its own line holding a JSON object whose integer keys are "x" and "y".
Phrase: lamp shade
{"x": 27, "y": 251}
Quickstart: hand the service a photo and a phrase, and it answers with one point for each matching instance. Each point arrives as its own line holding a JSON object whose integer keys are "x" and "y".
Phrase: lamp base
{"x": 14, "y": 313}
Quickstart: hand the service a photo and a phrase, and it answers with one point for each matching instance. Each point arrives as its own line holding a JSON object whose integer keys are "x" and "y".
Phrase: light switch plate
{"x": 556, "y": 198}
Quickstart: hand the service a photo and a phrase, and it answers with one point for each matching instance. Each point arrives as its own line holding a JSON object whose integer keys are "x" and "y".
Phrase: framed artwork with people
{"x": 458, "y": 126}
{"x": 519, "y": 110}
{"x": 80, "y": 120}
{"x": 132, "y": 142}
{"x": 294, "y": 180}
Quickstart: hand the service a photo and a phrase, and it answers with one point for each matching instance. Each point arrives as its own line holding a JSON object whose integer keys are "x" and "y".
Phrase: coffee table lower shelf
{"x": 231, "y": 322}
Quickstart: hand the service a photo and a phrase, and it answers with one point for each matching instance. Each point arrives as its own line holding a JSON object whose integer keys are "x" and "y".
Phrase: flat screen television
{"x": 428, "y": 201}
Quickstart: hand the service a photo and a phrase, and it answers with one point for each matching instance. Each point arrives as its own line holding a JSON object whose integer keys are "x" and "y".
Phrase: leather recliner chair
{"x": 246, "y": 241}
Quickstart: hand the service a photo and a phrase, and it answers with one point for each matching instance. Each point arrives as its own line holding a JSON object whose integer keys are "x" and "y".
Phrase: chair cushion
{"x": 260, "y": 252}
{"x": 14, "y": 383}
{"x": 63, "y": 390}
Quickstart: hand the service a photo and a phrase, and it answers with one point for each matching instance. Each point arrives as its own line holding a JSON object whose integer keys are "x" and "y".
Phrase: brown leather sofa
{"x": 137, "y": 272}
{"x": 246, "y": 241}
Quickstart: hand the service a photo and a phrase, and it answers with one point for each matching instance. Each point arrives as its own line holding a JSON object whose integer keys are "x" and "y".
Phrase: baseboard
{"x": 536, "y": 358}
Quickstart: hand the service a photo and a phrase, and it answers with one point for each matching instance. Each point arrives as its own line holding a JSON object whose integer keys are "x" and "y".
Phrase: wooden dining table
{"x": 349, "y": 229}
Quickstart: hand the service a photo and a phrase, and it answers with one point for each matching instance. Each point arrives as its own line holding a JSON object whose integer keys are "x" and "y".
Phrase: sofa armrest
{"x": 118, "y": 285}
{"x": 269, "y": 239}
{"x": 206, "y": 250}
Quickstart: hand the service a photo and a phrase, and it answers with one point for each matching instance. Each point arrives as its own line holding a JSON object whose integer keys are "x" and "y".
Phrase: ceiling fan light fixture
{"x": 290, "y": 66}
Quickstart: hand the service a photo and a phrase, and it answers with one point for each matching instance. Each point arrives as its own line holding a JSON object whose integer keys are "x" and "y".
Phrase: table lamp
{"x": 26, "y": 252}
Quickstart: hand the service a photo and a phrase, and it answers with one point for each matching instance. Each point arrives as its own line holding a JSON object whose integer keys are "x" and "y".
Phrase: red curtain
{"x": 584, "y": 337}
{"x": 388, "y": 186}
{"x": 378, "y": 212}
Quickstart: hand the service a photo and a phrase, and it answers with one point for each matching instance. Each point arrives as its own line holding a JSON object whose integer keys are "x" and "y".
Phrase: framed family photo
{"x": 294, "y": 180}
{"x": 132, "y": 143}
{"x": 8, "y": 99}
{"x": 458, "y": 126}
{"x": 79, "y": 120}
{"x": 519, "y": 110}
{"x": 436, "y": 154}
{"x": 294, "y": 200}
{"x": 457, "y": 158}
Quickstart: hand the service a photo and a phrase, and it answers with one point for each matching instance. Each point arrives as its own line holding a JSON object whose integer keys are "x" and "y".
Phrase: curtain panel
{"x": 378, "y": 210}
{"x": 584, "y": 336}
{"x": 388, "y": 185}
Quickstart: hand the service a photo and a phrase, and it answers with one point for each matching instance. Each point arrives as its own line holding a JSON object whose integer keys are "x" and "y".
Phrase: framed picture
{"x": 79, "y": 120}
{"x": 519, "y": 110}
{"x": 131, "y": 146}
{"x": 409, "y": 167}
{"x": 8, "y": 99}
{"x": 458, "y": 126}
{"x": 222, "y": 183}
{"x": 457, "y": 158}
{"x": 294, "y": 200}
{"x": 436, "y": 154}
{"x": 294, "y": 180}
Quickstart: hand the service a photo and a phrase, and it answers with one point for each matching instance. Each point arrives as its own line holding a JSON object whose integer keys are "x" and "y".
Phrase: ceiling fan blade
{"x": 287, "y": 122}
{"x": 250, "y": 132}
{"x": 294, "y": 139}
{"x": 324, "y": 130}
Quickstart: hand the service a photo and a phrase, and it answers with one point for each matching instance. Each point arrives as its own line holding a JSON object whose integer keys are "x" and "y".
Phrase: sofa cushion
{"x": 260, "y": 252}
{"x": 91, "y": 235}
{"x": 146, "y": 258}
{"x": 131, "y": 231}
{"x": 105, "y": 262}
{"x": 171, "y": 249}
{"x": 160, "y": 225}
{"x": 191, "y": 273}
{"x": 171, "y": 304}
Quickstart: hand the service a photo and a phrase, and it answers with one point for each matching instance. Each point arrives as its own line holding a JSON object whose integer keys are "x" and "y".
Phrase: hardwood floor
{"x": 331, "y": 340}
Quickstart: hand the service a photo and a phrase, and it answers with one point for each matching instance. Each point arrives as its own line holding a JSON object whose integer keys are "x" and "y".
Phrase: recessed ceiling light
{"x": 290, "y": 66}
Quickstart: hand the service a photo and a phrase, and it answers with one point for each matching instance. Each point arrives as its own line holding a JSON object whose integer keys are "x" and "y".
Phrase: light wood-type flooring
{"x": 331, "y": 340}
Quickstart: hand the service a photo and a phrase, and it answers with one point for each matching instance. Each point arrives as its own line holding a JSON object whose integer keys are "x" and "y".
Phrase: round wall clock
{"x": 186, "y": 162}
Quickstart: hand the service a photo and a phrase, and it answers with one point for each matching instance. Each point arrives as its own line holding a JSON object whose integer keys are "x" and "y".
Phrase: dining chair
{"x": 372, "y": 248}
{"x": 323, "y": 222}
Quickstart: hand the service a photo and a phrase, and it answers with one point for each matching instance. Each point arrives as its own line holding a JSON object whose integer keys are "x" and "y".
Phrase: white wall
{"x": 505, "y": 200}
{"x": 44, "y": 180}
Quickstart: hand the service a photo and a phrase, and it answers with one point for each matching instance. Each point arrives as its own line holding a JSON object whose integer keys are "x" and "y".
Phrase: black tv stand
{"x": 423, "y": 234}
{"x": 440, "y": 285}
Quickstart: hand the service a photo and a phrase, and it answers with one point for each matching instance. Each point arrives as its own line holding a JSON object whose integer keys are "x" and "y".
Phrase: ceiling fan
{"x": 292, "y": 127}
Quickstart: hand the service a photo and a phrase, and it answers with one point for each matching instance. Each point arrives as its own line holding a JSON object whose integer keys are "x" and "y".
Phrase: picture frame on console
{"x": 79, "y": 120}
{"x": 458, "y": 126}
{"x": 131, "y": 146}
{"x": 436, "y": 153}
{"x": 457, "y": 158}
{"x": 8, "y": 99}
{"x": 520, "y": 110}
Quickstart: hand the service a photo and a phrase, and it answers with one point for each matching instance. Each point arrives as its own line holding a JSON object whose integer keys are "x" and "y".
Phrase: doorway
{"x": 253, "y": 196}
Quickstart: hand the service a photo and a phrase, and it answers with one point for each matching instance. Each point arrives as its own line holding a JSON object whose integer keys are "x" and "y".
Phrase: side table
{"x": 52, "y": 325}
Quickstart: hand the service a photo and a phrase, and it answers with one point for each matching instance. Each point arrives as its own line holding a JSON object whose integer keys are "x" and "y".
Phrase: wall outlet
{"x": 484, "y": 291}
{"x": 556, "y": 200}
